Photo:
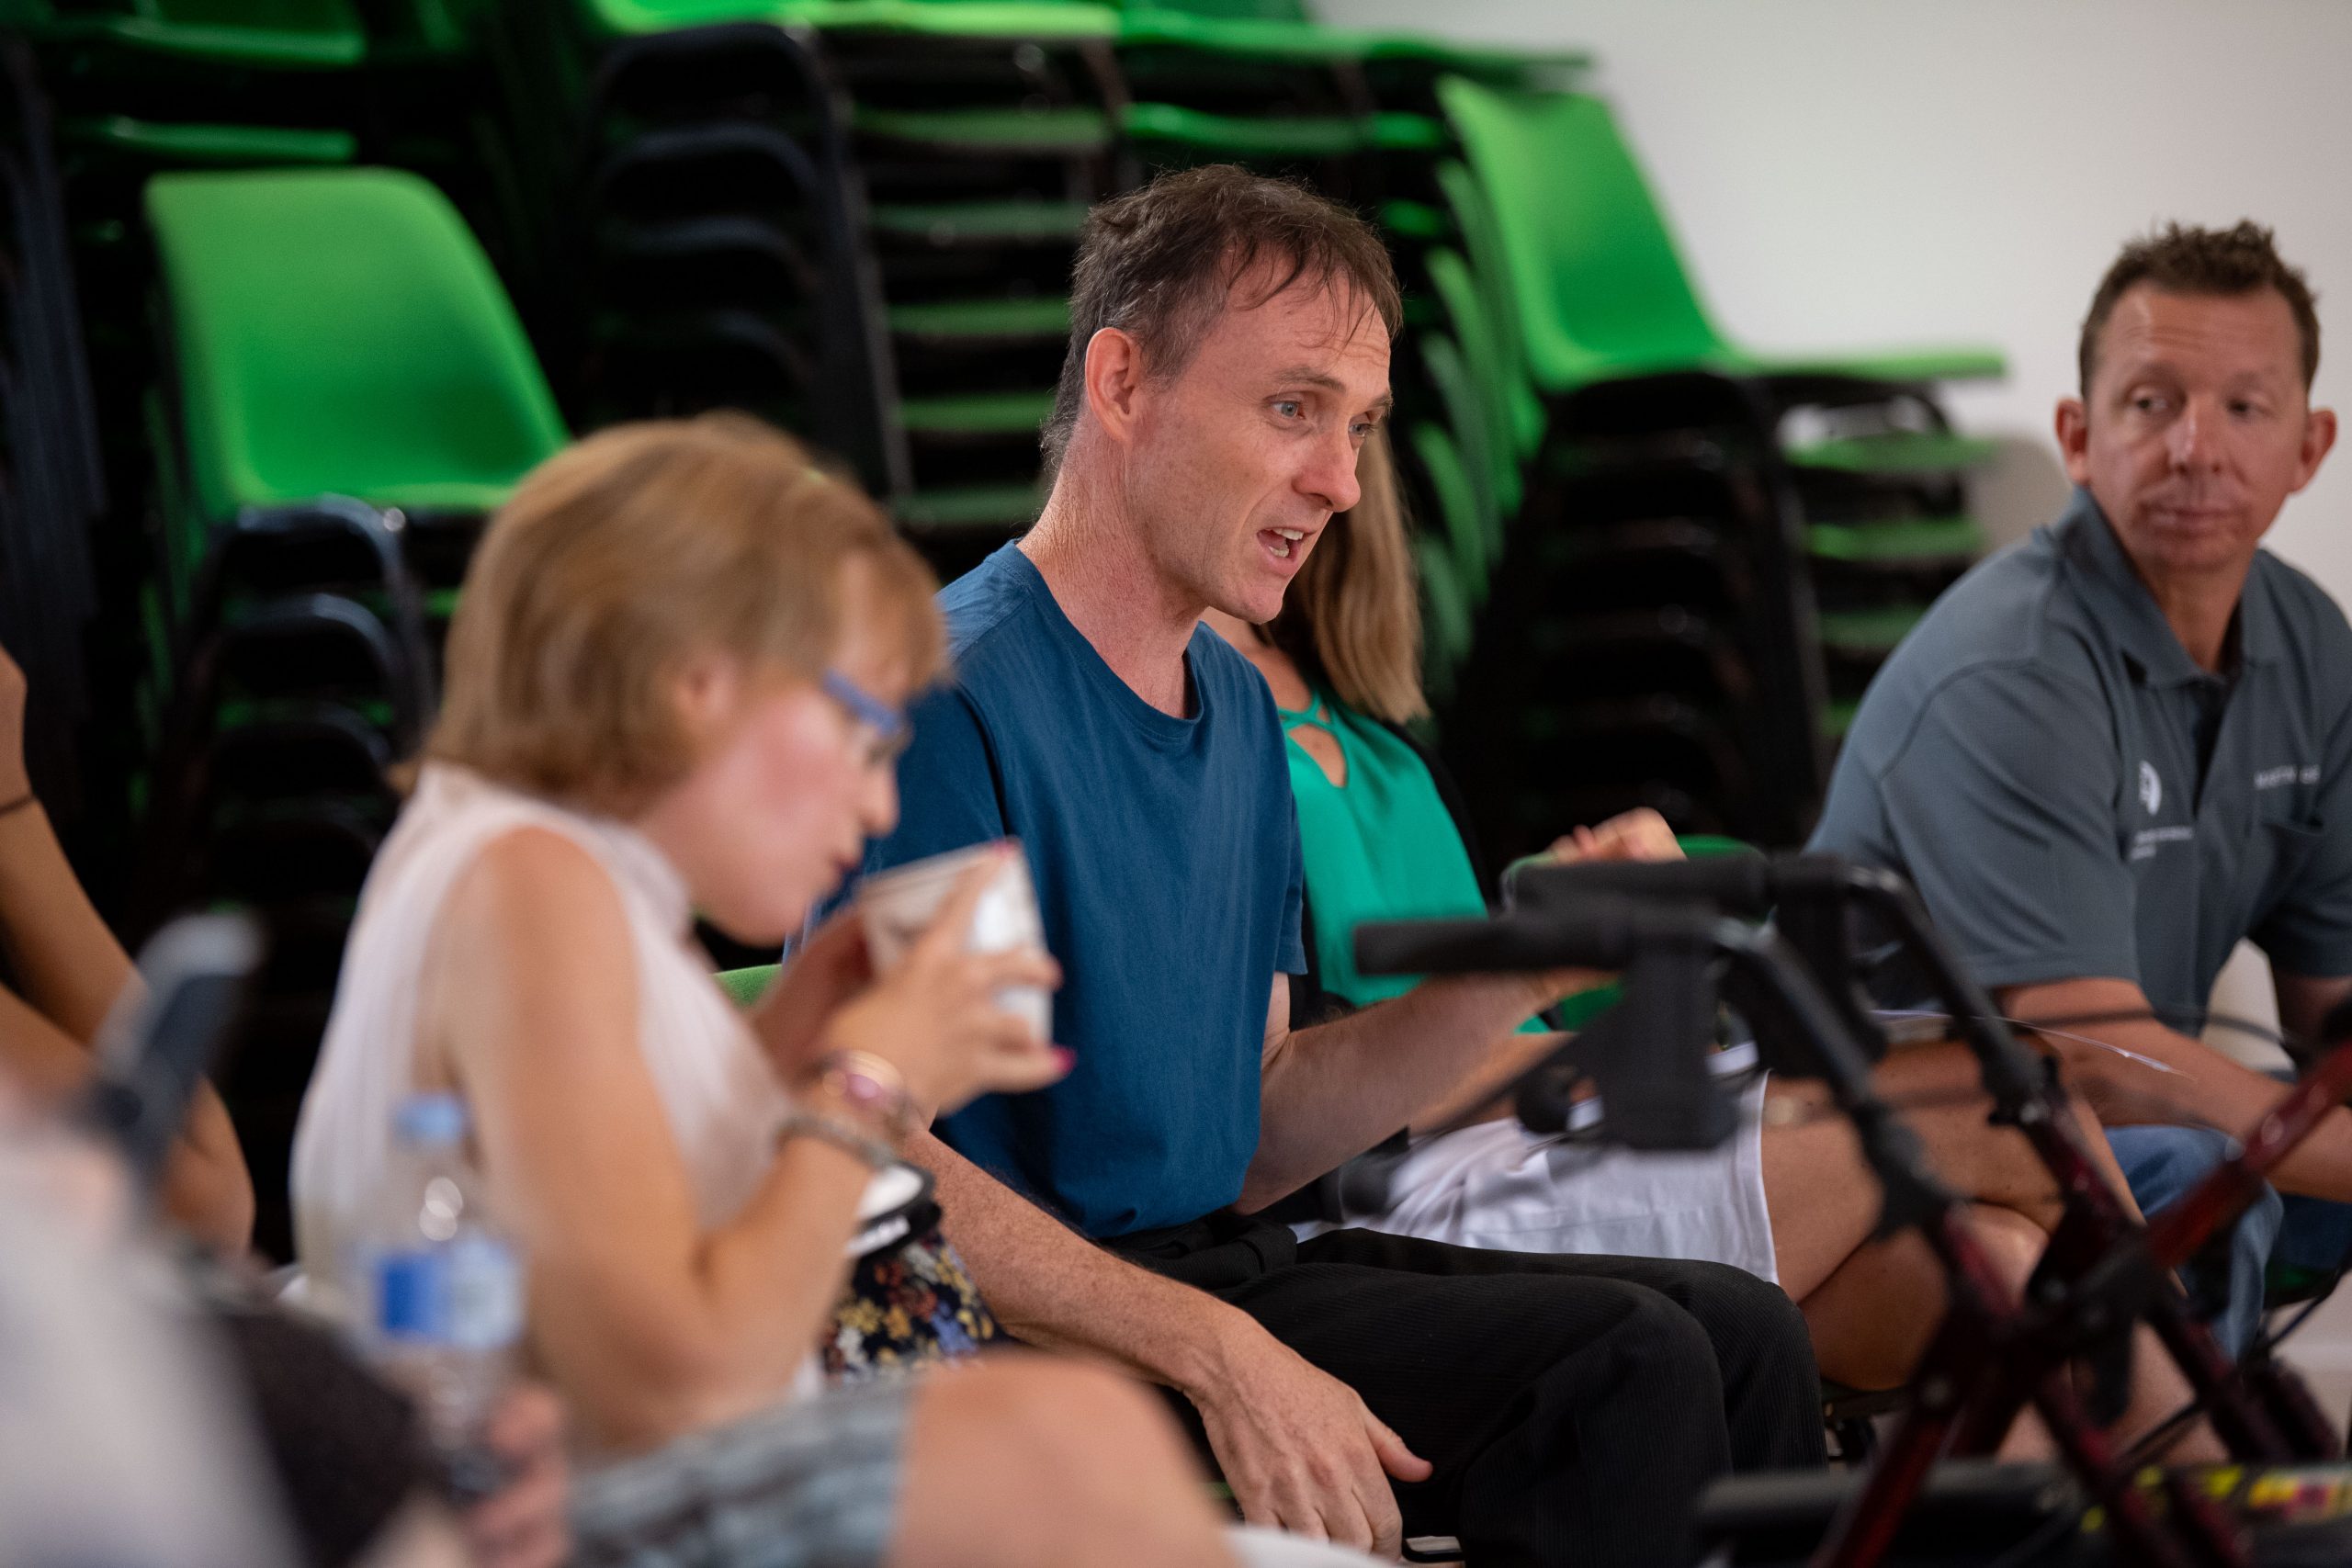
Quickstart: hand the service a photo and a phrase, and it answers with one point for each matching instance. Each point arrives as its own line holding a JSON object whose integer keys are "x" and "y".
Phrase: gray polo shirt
{"x": 2073, "y": 797}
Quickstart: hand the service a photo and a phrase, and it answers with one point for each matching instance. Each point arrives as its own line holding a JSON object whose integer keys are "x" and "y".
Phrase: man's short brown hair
{"x": 2184, "y": 259}
{"x": 1161, "y": 262}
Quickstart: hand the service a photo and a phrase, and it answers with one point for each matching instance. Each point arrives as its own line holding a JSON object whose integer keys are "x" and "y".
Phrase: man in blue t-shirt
{"x": 1228, "y": 356}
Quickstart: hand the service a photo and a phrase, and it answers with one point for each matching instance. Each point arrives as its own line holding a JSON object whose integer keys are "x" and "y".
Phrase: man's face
{"x": 1236, "y": 464}
{"x": 2196, "y": 429}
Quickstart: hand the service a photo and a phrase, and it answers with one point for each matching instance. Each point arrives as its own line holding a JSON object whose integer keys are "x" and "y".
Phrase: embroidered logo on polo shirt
{"x": 2152, "y": 788}
{"x": 2278, "y": 777}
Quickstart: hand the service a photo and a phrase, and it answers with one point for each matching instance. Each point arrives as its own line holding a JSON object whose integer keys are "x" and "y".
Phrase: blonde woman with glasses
{"x": 675, "y": 684}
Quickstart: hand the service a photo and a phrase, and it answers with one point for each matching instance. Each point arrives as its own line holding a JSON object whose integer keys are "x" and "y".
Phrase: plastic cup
{"x": 899, "y": 905}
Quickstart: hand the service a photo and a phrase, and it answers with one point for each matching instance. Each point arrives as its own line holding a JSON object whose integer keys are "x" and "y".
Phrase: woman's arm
{"x": 651, "y": 1324}
{"x": 72, "y": 971}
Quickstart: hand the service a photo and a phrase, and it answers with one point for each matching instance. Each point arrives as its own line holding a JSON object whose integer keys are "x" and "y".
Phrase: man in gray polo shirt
{"x": 2115, "y": 750}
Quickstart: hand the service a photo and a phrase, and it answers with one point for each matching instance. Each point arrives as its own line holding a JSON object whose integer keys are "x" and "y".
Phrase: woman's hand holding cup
{"x": 937, "y": 1012}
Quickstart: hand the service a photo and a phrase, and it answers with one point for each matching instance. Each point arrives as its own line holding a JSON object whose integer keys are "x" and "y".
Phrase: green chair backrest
{"x": 1599, "y": 287}
{"x": 299, "y": 34}
{"x": 1482, "y": 360}
{"x": 1482, "y": 544}
{"x": 1459, "y": 522}
{"x": 339, "y": 331}
{"x": 1490, "y": 271}
{"x": 745, "y": 986}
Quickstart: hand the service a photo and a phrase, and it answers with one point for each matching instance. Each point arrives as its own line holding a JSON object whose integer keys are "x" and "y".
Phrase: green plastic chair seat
{"x": 973, "y": 19}
{"x": 1900, "y": 452}
{"x": 1838, "y": 716}
{"x": 287, "y": 33}
{"x": 339, "y": 332}
{"x": 1059, "y": 132}
{"x": 1415, "y": 220}
{"x": 1279, "y": 136}
{"x": 1307, "y": 42}
{"x": 966, "y": 321}
{"x": 1909, "y": 539}
{"x": 1045, "y": 21}
{"x": 1244, "y": 135}
{"x": 977, "y": 413}
{"x": 1872, "y": 631}
{"x": 970, "y": 506}
{"x": 980, "y": 222}
{"x": 744, "y": 987}
{"x": 1915, "y": 367}
{"x": 214, "y": 146}
{"x": 1599, "y": 289}
{"x": 1016, "y": 128}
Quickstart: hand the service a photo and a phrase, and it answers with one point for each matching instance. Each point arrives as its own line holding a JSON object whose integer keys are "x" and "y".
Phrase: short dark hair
{"x": 2184, "y": 259}
{"x": 1160, "y": 263}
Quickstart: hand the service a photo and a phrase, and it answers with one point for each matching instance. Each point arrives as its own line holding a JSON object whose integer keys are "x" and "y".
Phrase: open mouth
{"x": 1281, "y": 543}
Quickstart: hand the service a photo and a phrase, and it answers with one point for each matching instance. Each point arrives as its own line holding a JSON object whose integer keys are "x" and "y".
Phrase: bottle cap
{"x": 434, "y": 1120}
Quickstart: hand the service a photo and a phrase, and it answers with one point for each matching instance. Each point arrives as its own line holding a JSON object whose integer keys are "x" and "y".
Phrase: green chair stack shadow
{"x": 345, "y": 393}
{"x": 1629, "y": 437}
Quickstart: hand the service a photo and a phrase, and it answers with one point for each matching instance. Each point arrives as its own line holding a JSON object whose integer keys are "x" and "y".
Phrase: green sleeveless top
{"x": 1380, "y": 847}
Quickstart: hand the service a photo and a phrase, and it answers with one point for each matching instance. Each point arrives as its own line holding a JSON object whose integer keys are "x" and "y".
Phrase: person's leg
{"x": 2162, "y": 1163}
{"x": 1021, "y": 1461}
{"x": 1823, "y": 1199}
{"x": 1755, "y": 1333}
{"x": 1567, "y": 1420}
{"x": 1866, "y": 1346}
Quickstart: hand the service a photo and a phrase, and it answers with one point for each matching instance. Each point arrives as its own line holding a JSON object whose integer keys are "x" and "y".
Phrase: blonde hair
{"x": 629, "y": 553}
{"x": 1354, "y": 612}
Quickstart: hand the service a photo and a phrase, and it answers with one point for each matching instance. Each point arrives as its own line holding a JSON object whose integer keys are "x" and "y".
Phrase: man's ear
{"x": 1113, "y": 381}
{"x": 2074, "y": 427}
{"x": 2319, "y": 436}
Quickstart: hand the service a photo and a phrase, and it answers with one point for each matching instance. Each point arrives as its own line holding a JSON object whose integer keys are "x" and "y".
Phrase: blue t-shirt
{"x": 1167, "y": 861}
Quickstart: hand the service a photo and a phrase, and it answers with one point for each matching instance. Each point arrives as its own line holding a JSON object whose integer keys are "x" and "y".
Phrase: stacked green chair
{"x": 1826, "y": 483}
{"x": 347, "y": 393}
{"x": 982, "y": 132}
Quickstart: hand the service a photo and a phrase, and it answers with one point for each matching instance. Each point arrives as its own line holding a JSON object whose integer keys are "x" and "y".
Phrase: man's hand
{"x": 1299, "y": 1449}
{"x": 828, "y": 969}
{"x": 522, "y": 1524}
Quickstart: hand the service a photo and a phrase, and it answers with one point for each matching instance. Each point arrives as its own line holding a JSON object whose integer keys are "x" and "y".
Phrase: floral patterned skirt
{"x": 907, "y": 1306}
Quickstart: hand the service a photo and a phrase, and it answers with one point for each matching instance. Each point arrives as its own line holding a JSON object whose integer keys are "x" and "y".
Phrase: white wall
{"x": 1864, "y": 173}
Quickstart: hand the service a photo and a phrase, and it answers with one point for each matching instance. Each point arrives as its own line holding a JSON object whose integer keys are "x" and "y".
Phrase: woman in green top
{"x": 1788, "y": 1197}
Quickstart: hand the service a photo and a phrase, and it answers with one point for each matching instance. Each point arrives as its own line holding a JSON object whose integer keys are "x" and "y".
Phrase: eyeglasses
{"x": 887, "y": 728}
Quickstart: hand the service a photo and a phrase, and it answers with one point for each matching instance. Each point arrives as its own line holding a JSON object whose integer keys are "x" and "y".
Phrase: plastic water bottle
{"x": 443, "y": 1289}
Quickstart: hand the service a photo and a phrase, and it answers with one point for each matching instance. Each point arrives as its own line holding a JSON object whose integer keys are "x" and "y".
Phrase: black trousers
{"x": 1573, "y": 1407}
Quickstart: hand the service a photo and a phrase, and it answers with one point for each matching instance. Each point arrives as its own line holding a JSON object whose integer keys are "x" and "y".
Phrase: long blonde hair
{"x": 1353, "y": 614}
{"x": 628, "y": 554}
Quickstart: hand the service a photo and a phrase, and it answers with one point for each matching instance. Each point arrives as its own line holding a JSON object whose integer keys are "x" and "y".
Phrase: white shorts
{"x": 1499, "y": 1186}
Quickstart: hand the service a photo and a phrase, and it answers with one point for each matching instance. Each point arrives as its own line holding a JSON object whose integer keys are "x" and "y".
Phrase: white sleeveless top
{"x": 723, "y": 1099}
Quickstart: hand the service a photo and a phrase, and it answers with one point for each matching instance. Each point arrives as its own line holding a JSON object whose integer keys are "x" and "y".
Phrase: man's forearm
{"x": 2201, "y": 1087}
{"x": 1337, "y": 1089}
{"x": 1053, "y": 1288}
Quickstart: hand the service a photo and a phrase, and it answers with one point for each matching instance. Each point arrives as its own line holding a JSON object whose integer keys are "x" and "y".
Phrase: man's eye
{"x": 1289, "y": 408}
